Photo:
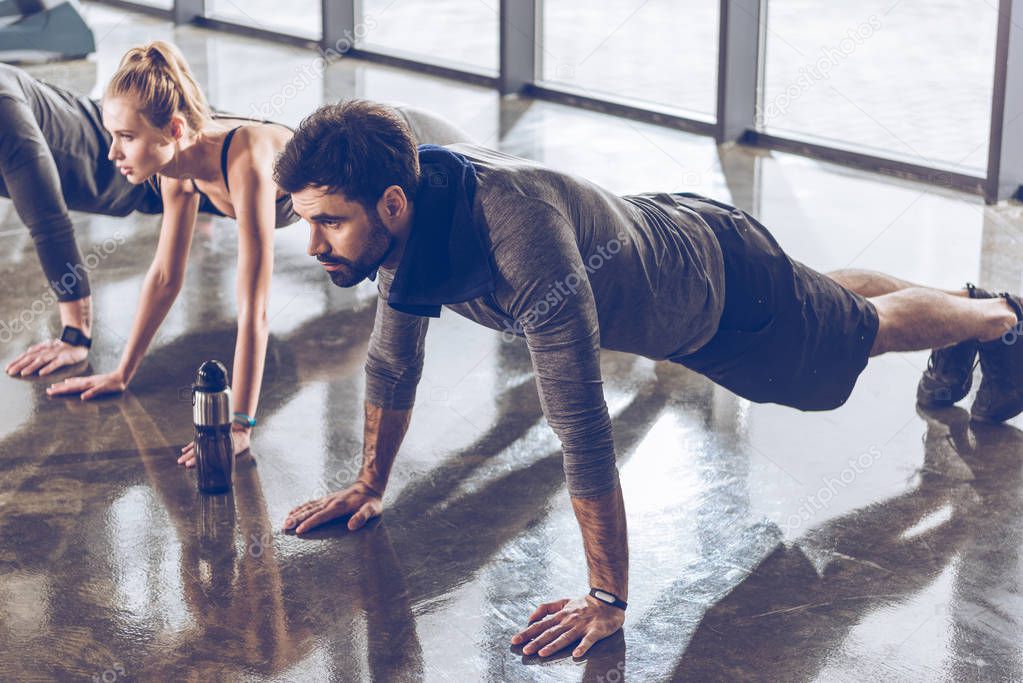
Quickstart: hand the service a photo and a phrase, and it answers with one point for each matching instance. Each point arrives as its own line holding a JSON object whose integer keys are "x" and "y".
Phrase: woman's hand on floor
{"x": 89, "y": 386}
{"x": 47, "y": 357}
{"x": 240, "y": 437}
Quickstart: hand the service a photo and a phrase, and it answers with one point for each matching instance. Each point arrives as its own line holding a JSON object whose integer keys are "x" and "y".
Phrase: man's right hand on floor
{"x": 358, "y": 500}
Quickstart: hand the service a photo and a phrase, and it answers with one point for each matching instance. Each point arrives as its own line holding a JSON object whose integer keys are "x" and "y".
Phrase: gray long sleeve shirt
{"x": 427, "y": 127}
{"x": 576, "y": 269}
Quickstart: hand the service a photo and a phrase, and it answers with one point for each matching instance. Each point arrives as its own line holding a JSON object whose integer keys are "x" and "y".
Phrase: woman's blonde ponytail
{"x": 157, "y": 76}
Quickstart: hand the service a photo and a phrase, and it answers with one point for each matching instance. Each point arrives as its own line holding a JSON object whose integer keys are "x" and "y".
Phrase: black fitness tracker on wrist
{"x": 75, "y": 337}
{"x": 608, "y": 598}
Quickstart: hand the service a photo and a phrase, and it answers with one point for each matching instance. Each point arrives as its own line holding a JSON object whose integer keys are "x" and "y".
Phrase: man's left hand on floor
{"x": 555, "y": 625}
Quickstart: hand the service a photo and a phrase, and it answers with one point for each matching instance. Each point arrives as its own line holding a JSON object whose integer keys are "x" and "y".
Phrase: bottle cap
{"x": 211, "y": 377}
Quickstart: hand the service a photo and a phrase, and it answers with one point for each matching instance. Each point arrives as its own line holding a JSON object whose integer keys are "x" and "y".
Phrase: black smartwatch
{"x": 75, "y": 337}
{"x": 608, "y": 598}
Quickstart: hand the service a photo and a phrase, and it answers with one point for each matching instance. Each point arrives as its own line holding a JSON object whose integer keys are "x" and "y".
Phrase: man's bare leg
{"x": 912, "y": 317}
{"x": 871, "y": 283}
{"x": 916, "y": 318}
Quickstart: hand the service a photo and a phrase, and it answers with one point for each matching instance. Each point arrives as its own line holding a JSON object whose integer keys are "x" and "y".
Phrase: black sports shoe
{"x": 1000, "y": 395}
{"x": 949, "y": 373}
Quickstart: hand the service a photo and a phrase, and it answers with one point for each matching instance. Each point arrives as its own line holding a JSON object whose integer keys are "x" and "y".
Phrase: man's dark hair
{"x": 357, "y": 147}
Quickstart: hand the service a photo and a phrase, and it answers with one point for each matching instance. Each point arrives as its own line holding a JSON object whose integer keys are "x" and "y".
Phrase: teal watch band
{"x": 243, "y": 419}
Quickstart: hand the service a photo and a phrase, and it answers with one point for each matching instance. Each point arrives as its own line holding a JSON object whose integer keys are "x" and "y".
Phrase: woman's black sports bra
{"x": 285, "y": 212}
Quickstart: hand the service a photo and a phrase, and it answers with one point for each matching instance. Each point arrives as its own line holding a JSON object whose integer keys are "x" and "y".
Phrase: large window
{"x": 302, "y": 18}
{"x": 285, "y": 89}
{"x": 456, "y": 32}
{"x": 909, "y": 79}
{"x": 662, "y": 52}
{"x": 891, "y": 81}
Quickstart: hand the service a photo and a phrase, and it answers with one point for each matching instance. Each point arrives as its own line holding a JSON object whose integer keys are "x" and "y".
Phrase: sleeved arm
{"x": 546, "y": 290}
{"x": 394, "y": 362}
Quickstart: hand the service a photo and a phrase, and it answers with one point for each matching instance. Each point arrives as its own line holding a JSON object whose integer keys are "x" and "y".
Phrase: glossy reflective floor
{"x": 868, "y": 543}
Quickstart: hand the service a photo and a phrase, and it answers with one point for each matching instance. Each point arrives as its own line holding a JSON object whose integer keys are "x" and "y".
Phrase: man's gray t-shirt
{"x": 577, "y": 268}
{"x": 428, "y": 128}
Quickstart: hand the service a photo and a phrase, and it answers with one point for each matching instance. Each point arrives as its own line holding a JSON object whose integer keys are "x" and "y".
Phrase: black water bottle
{"x": 211, "y": 412}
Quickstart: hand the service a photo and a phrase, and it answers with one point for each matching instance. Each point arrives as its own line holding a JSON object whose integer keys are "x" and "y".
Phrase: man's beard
{"x": 377, "y": 248}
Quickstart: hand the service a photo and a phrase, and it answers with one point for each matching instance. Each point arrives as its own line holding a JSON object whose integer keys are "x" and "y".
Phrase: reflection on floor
{"x": 872, "y": 542}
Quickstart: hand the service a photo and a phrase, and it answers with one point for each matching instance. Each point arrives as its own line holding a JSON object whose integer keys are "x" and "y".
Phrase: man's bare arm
{"x": 554, "y": 625}
{"x": 382, "y": 435}
{"x": 605, "y": 540}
